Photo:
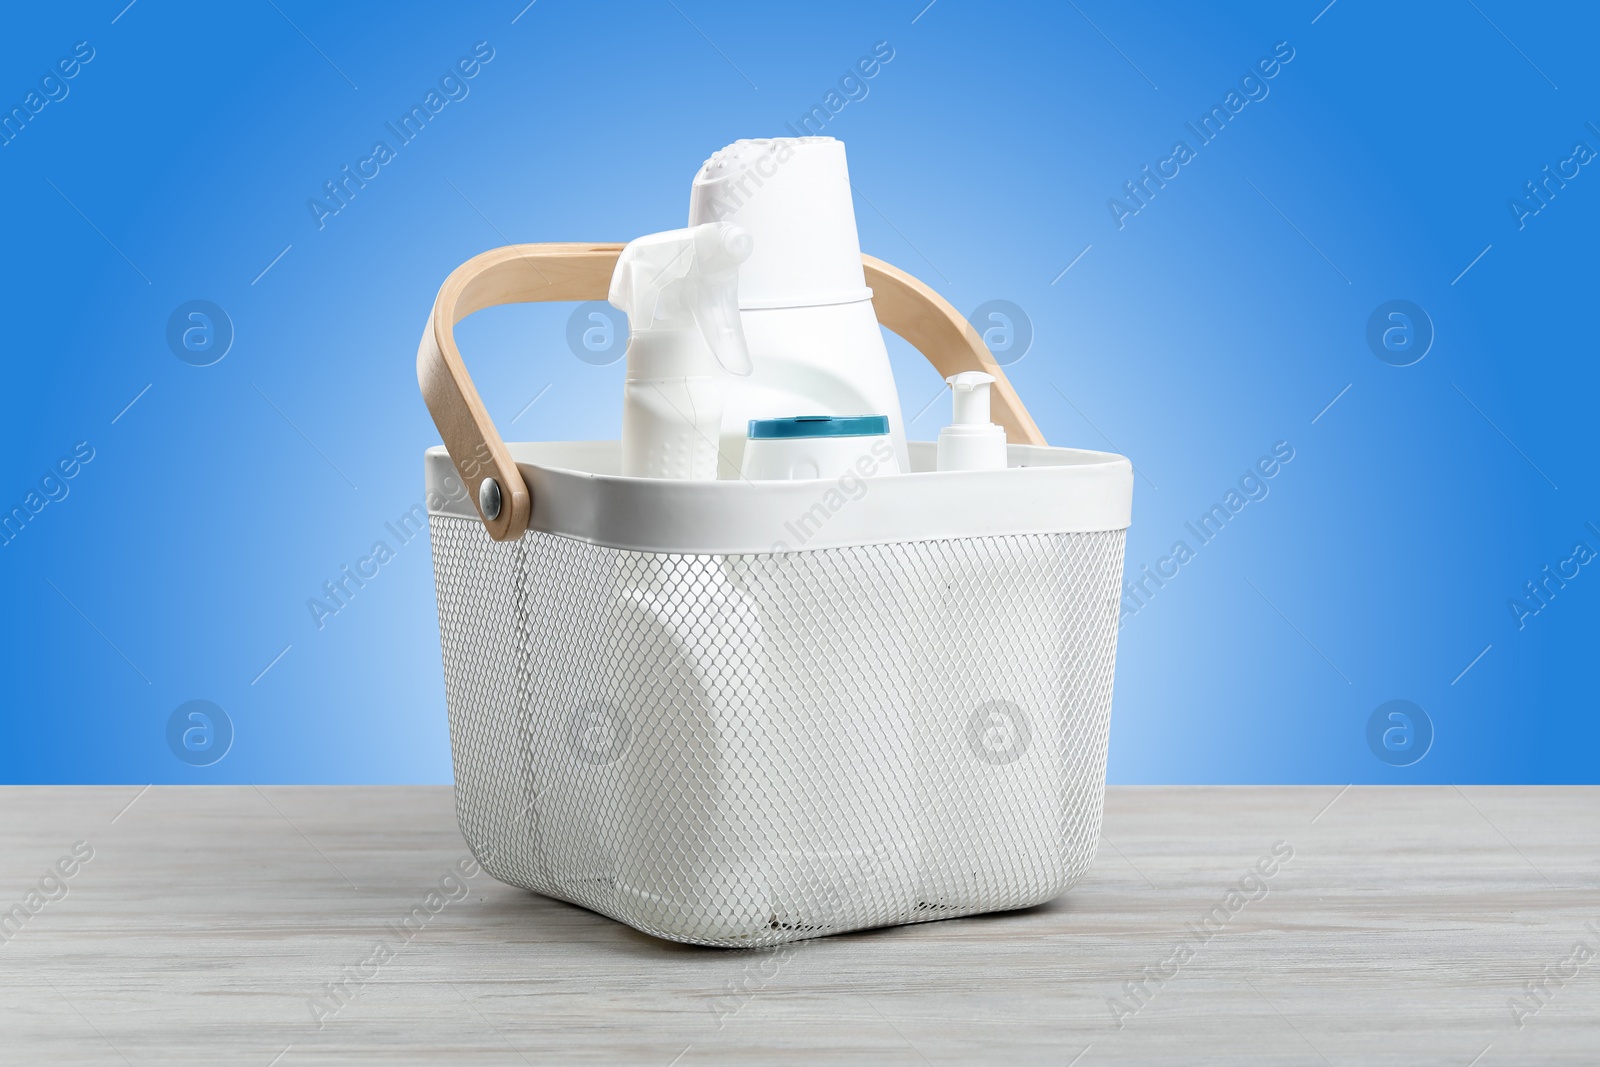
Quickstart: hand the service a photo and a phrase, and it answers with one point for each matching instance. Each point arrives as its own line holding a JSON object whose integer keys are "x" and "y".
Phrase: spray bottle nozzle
{"x": 683, "y": 279}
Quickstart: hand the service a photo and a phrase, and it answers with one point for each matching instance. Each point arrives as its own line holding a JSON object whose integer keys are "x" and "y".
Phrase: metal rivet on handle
{"x": 489, "y": 499}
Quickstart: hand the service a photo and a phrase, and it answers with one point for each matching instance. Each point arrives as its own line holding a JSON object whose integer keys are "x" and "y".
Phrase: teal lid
{"x": 820, "y": 426}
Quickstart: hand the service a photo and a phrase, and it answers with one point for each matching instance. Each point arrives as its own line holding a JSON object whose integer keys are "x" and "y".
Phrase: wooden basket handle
{"x": 547, "y": 272}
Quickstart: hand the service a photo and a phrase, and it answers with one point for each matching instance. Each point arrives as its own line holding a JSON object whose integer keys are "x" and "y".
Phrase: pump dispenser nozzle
{"x": 680, "y": 290}
{"x": 970, "y": 397}
{"x": 971, "y": 442}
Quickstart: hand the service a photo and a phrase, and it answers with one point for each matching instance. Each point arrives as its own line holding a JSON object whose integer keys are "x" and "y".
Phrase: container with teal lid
{"x": 819, "y": 446}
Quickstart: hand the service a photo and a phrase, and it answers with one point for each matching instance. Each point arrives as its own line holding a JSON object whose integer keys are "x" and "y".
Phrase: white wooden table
{"x": 210, "y": 921}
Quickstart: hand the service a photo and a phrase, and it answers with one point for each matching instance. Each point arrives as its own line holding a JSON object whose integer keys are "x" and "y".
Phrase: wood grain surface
{"x": 215, "y": 926}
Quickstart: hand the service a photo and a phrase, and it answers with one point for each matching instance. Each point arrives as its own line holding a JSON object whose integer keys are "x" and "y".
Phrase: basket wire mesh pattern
{"x": 743, "y": 750}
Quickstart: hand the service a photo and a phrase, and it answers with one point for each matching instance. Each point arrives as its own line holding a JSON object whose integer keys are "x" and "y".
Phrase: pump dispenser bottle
{"x": 971, "y": 442}
{"x": 992, "y": 754}
{"x": 680, "y": 290}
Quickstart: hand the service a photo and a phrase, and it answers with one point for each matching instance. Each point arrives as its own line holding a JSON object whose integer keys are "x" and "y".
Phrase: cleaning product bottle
{"x": 848, "y": 850}
{"x": 819, "y": 446}
{"x": 803, "y": 296}
{"x": 990, "y": 746}
{"x": 971, "y": 442}
{"x": 684, "y": 649}
{"x": 680, "y": 291}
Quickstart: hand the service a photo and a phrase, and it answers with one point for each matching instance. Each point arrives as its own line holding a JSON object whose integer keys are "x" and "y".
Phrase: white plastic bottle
{"x": 680, "y": 290}
{"x": 971, "y": 442}
{"x": 684, "y": 649}
{"x": 848, "y": 852}
{"x": 990, "y": 744}
{"x": 807, "y": 311}
{"x": 819, "y": 446}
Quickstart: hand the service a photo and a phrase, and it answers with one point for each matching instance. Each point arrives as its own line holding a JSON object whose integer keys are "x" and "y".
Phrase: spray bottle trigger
{"x": 714, "y": 299}
{"x": 725, "y": 335}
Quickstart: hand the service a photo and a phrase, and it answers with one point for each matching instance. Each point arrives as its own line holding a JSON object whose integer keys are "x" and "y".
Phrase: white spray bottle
{"x": 685, "y": 648}
{"x": 680, "y": 291}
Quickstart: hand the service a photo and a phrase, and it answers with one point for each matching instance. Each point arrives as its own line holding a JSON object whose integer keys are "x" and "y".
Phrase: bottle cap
{"x": 793, "y": 195}
{"x": 820, "y": 426}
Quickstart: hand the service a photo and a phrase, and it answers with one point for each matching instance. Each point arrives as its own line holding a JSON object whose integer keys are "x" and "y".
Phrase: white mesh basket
{"x": 663, "y": 711}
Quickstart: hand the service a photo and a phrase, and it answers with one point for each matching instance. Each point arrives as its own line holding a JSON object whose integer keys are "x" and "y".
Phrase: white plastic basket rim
{"x": 578, "y": 493}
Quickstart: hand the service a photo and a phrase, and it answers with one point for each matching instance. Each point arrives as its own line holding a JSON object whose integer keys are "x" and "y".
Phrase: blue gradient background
{"x": 1210, "y": 327}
